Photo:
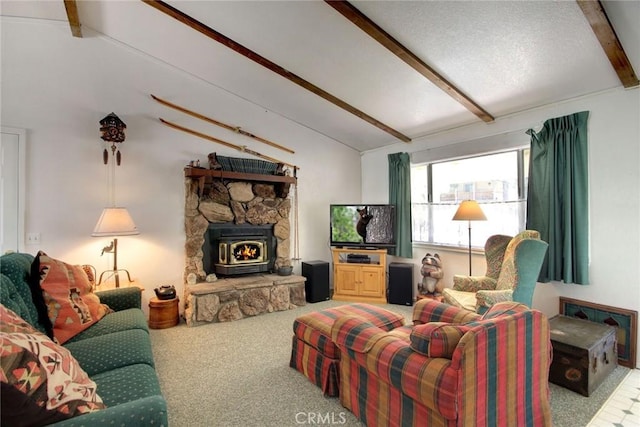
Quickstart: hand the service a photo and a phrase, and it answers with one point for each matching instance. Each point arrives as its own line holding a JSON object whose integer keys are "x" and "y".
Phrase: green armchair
{"x": 513, "y": 265}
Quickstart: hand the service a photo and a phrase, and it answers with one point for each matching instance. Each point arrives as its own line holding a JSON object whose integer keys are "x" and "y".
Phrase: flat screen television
{"x": 362, "y": 226}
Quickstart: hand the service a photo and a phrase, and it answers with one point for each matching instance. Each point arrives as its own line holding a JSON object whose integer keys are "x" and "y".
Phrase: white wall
{"x": 58, "y": 88}
{"x": 614, "y": 197}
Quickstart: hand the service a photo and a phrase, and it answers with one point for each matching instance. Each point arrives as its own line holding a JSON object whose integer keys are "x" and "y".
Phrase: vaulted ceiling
{"x": 373, "y": 73}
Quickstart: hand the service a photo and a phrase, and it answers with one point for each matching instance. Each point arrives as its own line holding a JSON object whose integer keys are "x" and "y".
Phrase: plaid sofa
{"x": 452, "y": 368}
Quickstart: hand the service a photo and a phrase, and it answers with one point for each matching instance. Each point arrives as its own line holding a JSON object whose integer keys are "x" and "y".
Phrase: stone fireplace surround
{"x": 210, "y": 299}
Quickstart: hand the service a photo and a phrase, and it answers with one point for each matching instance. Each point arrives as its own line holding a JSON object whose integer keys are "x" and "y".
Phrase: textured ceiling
{"x": 507, "y": 56}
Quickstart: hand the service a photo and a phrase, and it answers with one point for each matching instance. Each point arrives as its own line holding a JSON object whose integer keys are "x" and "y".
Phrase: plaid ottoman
{"x": 314, "y": 354}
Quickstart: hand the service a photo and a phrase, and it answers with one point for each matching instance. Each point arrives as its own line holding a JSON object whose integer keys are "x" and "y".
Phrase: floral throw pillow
{"x": 68, "y": 296}
{"x": 41, "y": 381}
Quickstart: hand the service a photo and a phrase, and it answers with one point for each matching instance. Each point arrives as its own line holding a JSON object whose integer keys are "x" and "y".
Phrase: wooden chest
{"x": 584, "y": 353}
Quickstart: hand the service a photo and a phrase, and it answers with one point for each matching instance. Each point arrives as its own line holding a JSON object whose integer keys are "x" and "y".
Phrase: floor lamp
{"x": 469, "y": 210}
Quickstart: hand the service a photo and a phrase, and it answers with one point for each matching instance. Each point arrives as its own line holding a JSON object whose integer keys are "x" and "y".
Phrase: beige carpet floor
{"x": 237, "y": 374}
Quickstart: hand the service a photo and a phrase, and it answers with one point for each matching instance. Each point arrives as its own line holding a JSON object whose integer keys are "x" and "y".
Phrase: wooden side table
{"x": 163, "y": 313}
{"x": 110, "y": 284}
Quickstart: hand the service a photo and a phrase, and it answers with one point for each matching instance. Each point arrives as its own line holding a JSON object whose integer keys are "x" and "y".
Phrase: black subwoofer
{"x": 400, "y": 283}
{"x": 317, "y": 285}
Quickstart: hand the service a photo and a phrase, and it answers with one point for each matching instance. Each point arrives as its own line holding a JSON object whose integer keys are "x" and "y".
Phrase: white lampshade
{"x": 115, "y": 222}
{"x": 469, "y": 210}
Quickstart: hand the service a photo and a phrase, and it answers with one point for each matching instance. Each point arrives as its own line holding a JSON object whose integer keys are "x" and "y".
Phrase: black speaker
{"x": 317, "y": 285}
{"x": 400, "y": 283}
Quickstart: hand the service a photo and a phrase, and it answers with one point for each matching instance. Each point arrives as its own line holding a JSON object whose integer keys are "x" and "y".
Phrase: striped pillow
{"x": 504, "y": 308}
{"x": 437, "y": 339}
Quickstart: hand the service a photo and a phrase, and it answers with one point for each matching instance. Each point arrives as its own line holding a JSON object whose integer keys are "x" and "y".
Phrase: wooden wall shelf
{"x": 197, "y": 173}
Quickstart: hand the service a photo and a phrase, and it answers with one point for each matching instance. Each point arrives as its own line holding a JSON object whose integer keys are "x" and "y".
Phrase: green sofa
{"x": 115, "y": 352}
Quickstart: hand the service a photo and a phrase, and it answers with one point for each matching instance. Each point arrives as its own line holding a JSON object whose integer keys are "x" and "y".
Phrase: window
{"x": 498, "y": 182}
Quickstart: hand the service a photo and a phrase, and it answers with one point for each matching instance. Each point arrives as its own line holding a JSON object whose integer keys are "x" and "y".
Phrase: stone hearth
{"x": 235, "y": 298}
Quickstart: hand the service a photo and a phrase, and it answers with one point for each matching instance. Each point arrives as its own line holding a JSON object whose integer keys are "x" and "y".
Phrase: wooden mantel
{"x": 201, "y": 174}
{"x": 193, "y": 172}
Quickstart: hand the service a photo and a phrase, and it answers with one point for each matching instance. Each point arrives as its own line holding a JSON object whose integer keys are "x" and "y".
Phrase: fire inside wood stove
{"x": 247, "y": 252}
{"x": 241, "y": 252}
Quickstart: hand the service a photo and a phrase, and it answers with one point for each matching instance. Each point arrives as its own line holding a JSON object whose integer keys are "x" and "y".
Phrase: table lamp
{"x": 114, "y": 222}
{"x": 469, "y": 210}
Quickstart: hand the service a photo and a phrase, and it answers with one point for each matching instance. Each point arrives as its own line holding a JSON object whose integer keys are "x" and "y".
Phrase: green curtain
{"x": 557, "y": 201}
{"x": 400, "y": 196}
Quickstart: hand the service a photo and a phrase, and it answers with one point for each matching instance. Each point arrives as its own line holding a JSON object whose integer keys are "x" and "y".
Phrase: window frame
{"x": 522, "y": 183}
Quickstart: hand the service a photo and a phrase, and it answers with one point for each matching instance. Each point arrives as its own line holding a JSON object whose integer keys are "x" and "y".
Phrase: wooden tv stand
{"x": 359, "y": 282}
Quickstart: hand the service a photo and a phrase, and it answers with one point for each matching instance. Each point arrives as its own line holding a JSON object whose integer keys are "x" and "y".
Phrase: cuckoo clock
{"x": 112, "y": 129}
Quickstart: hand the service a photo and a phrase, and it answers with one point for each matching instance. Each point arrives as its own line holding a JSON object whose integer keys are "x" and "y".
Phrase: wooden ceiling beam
{"x": 350, "y": 12}
{"x": 231, "y": 44}
{"x": 74, "y": 19}
{"x": 602, "y": 28}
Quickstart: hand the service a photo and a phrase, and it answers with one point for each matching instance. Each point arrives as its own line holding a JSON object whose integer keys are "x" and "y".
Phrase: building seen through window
{"x": 498, "y": 182}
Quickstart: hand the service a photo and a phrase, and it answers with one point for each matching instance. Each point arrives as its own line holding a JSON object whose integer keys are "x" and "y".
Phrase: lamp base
{"x": 469, "y": 248}
{"x": 116, "y": 275}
